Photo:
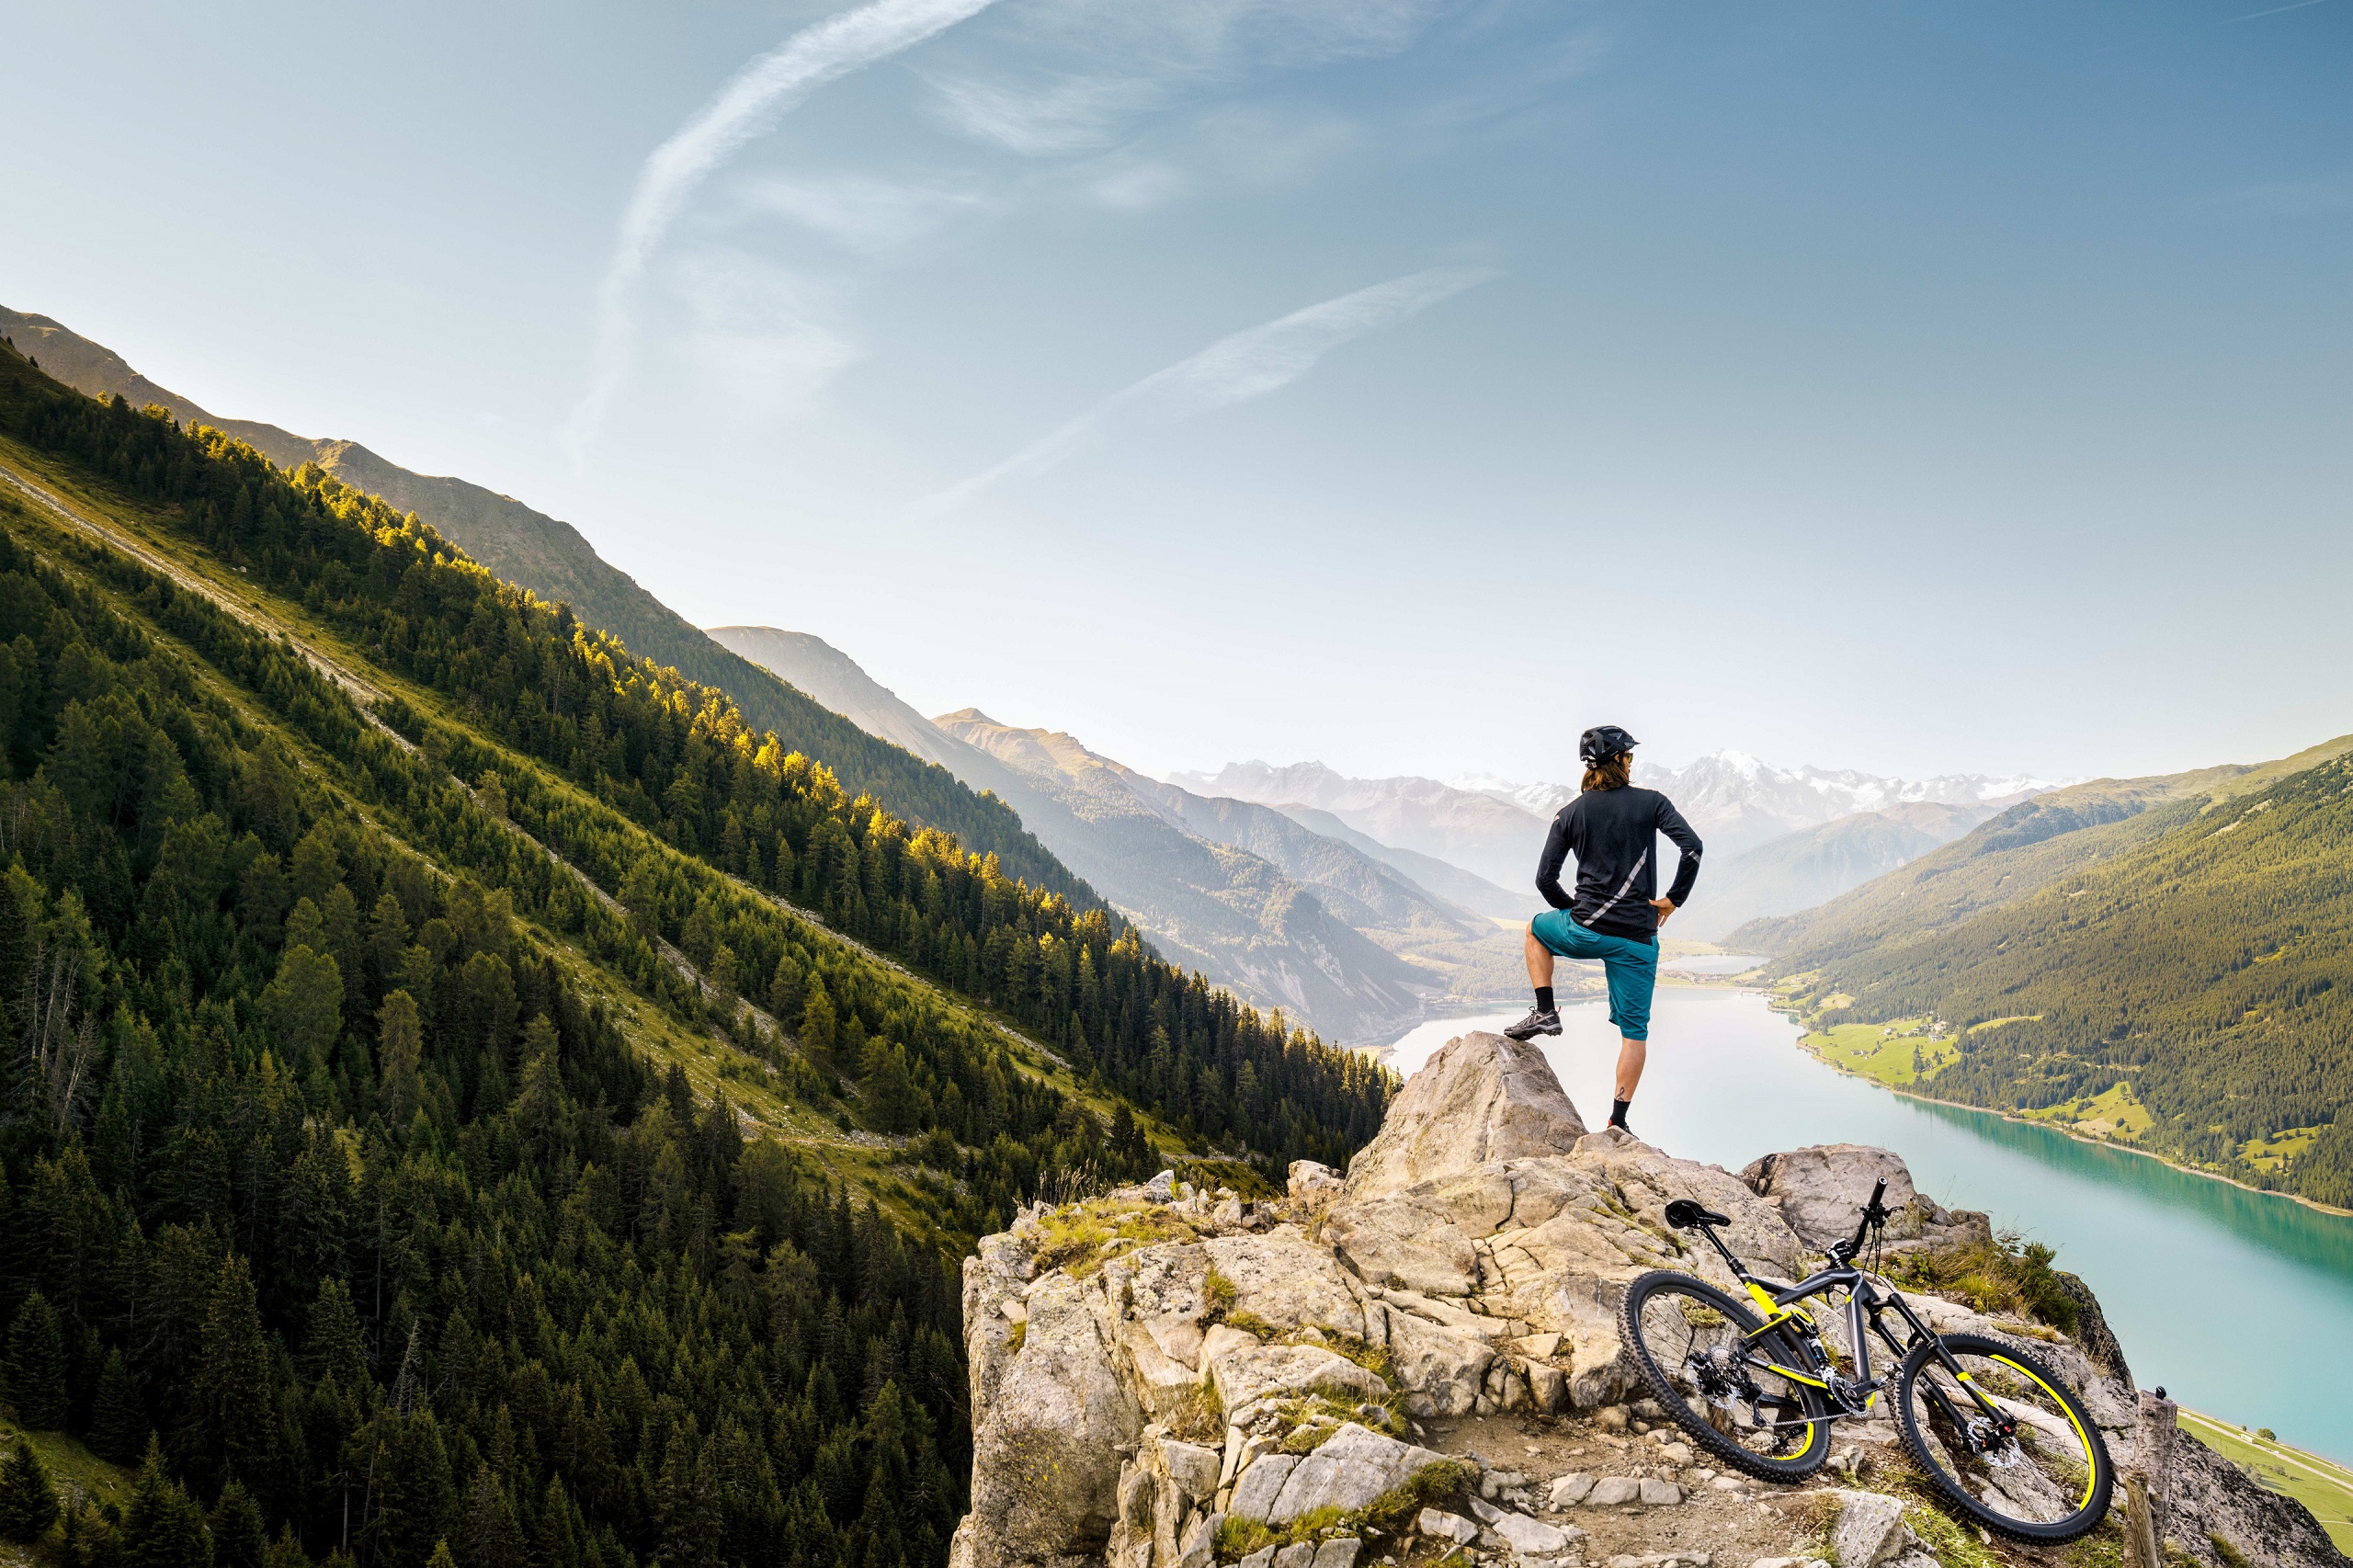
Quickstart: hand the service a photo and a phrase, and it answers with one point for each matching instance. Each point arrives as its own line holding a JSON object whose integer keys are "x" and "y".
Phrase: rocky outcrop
{"x": 1482, "y": 1098}
{"x": 1172, "y": 1379}
{"x": 1820, "y": 1189}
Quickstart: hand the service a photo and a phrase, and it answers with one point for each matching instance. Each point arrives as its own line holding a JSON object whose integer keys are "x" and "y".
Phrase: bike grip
{"x": 1877, "y": 1193}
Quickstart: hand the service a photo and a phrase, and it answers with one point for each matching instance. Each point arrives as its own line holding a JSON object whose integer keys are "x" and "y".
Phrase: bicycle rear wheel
{"x": 1698, "y": 1350}
{"x": 2046, "y": 1478}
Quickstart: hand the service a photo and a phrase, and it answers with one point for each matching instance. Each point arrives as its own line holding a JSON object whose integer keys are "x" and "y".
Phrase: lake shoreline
{"x": 1841, "y": 1068}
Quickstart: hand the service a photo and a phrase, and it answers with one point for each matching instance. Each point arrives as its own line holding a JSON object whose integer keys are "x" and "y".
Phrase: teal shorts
{"x": 1631, "y": 967}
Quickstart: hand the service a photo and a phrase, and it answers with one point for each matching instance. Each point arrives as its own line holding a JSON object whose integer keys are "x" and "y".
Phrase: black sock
{"x": 1618, "y": 1112}
{"x": 1543, "y": 998}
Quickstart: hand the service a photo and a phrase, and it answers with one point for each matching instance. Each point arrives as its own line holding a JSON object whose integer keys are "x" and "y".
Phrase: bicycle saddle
{"x": 1683, "y": 1214}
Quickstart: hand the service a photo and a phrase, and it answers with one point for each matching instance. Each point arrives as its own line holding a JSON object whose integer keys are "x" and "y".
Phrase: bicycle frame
{"x": 1865, "y": 1306}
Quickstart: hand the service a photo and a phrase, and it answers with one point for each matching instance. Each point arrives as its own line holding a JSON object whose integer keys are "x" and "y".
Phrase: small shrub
{"x": 1306, "y": 1439}
{"x": 1237, "y": 1538}
{"x": 1082, "y": 1237}
{"x": 1019, "y": 1336}
{"x": 1250, "y": 1322}
{"x": 1218, "y": 1293}
{"x": 2007, "y": 1275}
{"x": 1195, "y": 1417}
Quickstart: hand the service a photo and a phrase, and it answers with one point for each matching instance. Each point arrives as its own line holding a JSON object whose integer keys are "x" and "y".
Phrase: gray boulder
{"x": 1313, "y": 1188}
{"x": 1870, "y": 1530}
{"x": 1246, "y": 1376}
{"x": 1255, "y": 1492}
{"x": 1348, "y": 1471}
{"x": 1481, "y": 1098}
{"x": 1821, "y": 1191}
{"x": 1046, "y": 1458}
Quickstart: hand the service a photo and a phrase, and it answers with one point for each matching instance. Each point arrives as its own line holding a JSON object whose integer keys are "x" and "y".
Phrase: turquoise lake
{"x": 2240, "y": 1303}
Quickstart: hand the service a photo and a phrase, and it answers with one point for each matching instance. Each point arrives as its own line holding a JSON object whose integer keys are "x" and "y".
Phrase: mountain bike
{"x": 1994, "y": 1429}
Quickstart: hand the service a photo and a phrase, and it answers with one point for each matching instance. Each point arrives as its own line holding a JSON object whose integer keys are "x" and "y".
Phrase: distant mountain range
{"x": 1333, "y": 929}
{"x": 1778, "y": 840}
{"x": 1738, "y": 803}
{"x": 1814, "y": 865}
{"x": 1489, "y": 836}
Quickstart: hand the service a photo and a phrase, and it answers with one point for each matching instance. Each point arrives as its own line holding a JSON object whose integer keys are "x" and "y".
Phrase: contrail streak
{"x": 1249, "y": 364}
{"x": 744, "y": 108}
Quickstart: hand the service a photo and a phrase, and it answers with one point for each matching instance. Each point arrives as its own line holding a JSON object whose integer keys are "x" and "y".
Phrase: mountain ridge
{"x": 1289, "y": 918}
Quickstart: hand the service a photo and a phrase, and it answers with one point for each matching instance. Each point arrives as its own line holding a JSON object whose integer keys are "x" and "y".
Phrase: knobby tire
{"x": 1915, "y": 1415}
{"x": 1779, "y": 1345}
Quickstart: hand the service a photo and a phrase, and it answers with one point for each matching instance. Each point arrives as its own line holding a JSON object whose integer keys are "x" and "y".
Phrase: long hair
{"x": 1611, "y": 772}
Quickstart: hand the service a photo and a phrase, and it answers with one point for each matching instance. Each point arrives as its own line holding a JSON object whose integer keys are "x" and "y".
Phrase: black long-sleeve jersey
{"x": 1613, "y": 834}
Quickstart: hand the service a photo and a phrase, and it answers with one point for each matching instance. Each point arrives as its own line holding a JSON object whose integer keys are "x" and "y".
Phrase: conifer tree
{"x": 287, "y": 1553}
{"x": 163, "y": 1528}
{"x": 36, "y": 1366}
{"x": 27, "y": 1501}
{"x": 400, "y": 1045}
{"x": 237, "y": 1539}
{"x": 489, "y": 1536}
{"x": 230, "y": 1423}
{"x": 817, "y": 1020}
{"x": 558, "y": 1545}
{"x": 119, "y": 1427}
{"x": 889, "y": 1093}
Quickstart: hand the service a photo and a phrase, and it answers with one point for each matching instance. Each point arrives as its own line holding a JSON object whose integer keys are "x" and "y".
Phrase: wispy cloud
{"x": 760, "y": 347}
{"x": 1087, "y": 73}
{"x": 1234, "y": 369}
{"x": 862, "y": 213}
{"x": 2274, "y": 11}
{"x": 744, "y": 108}
{"x": 1075, "y": 115}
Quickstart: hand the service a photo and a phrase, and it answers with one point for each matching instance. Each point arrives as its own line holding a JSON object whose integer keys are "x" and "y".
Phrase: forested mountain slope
{"x": 2191, "y": 961}
{"x": 391, "y": 1142}
{"x": 550, "y": 557}
{"x": 2026, "y": 848}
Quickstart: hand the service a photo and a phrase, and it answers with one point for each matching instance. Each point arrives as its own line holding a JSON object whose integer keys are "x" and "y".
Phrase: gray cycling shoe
{"x": 1538, "y": 1021}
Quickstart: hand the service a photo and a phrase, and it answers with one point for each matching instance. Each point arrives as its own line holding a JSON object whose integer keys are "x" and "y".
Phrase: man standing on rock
{"x": 1611, "y": 827}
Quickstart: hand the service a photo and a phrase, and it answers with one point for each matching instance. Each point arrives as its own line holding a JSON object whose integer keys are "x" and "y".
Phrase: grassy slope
{"x": 711, "y": 1060}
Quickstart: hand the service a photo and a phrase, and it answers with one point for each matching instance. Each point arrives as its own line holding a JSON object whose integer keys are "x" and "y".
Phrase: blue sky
{"x": 1398, "y": 383}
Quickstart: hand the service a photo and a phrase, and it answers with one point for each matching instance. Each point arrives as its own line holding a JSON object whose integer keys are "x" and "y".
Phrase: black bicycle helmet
{"x": 1603, "y": 742}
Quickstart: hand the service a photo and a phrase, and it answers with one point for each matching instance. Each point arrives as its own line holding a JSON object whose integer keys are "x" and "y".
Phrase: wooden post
{"x": 2146, "y": 1481}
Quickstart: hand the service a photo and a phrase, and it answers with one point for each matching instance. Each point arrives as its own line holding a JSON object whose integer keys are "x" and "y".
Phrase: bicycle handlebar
{"x": 1872, "y": 1214}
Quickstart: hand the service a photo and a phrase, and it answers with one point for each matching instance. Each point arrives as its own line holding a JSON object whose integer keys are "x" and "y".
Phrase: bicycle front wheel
{"x": 1737, "y": 1390}
{"x": 2035, "y": 1468}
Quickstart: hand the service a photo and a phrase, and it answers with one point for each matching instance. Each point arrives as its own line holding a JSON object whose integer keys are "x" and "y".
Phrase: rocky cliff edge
{"x": 1422, "y": 1361}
